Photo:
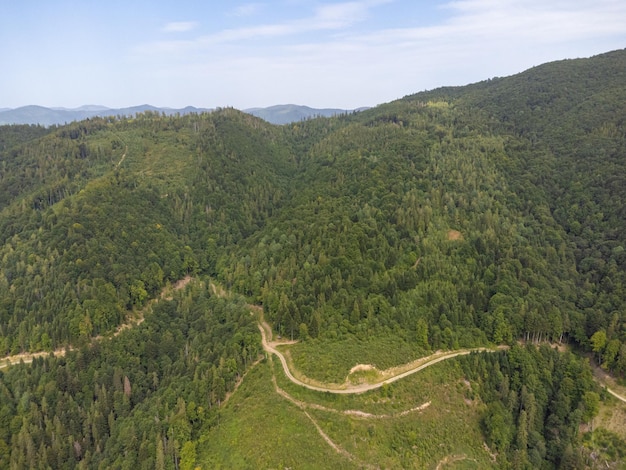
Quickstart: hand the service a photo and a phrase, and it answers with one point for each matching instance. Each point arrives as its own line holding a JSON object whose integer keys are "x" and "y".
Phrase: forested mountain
{"x": 96, "y": 216}
{"x": 288, "y": 113}
{"x": 458, "y": 217}
{"x": 40, "y": 115}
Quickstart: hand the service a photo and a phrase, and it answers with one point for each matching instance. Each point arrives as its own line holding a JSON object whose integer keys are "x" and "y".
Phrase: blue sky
{"x": 320, "y": 53}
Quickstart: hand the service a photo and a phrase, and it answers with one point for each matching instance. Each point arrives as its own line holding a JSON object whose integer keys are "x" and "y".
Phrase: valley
{"x": 377, "y": 289}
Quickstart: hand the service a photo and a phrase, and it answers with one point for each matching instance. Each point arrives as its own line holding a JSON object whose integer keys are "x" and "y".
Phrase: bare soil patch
{"x": 218, "y": 290}
{"x": 180, "y": 284}
{"x": 27, "y": 358}
{"x": 449, "y": 459}
{"x": 360, "y": 367}
{"x": 454, "y": 235}
{"x": 612, "y": 418}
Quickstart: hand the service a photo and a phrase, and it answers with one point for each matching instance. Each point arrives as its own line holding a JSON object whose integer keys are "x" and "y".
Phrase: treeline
{"x": 482, "y": 213}
{"x": 570, "y": 151}
{"x": 38, "y": 172}
{"x": 449, "y": 209}
{"x": 405, "y": 219}
{"x": 14, "y": 135}
{"x": 138, "y": 400}
{"x": 488, "y": 213}
{"x": 537, "y": 399}
{"x": 89, "y": 259}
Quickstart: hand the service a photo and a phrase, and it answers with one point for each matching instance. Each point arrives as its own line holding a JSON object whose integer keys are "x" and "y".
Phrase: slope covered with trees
{"x": 459, "y": 217}
{"x": 134, "y": 401}
{"x": 100, "y": 214}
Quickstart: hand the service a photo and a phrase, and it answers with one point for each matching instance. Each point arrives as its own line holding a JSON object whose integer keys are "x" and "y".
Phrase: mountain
{"x": 59, "y": 116}
{"x": 453, "y": 219}
{"x": 87, "y": 107}
{"x": 281, "y": 114}
{"x": 41, "y": 115}
{"x": 288, "y": 113}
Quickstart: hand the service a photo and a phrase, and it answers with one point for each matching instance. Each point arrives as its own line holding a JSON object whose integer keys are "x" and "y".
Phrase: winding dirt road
{"x": 604, "y": 379}
{"x": 133, "y": 319}
{"x": 27, "y": 358}
{"x": 270, "y": 347}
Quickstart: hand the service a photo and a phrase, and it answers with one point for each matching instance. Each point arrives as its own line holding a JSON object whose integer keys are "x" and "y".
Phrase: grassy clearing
{"x": 417, "y": 439}
{"x": 331, "y": 361}
{"x": 364, "y": 376}
{"x": 260, "y": 429}
{"x": 380, "y": 401}
{"x": 612, "y": 416}
{"x": 448, "y": 426}
{"x": 463, "y": 463}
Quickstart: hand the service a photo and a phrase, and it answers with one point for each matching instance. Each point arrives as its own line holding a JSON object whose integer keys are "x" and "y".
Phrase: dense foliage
{"x": 536, "y": 400}
{"x": 132, "y": 401}
{"x": 397, "y": 225}
{"x": 101, "y": 214}
{"x": 457, "y": 217}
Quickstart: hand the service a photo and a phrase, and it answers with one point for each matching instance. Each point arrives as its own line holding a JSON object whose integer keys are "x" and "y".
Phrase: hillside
{"x": 456, "y": 218}
{"x": 97, "y": 216}
{"x": 42, "y": 116}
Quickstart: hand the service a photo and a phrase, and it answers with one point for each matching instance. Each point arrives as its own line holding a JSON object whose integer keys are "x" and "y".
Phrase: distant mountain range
{"x": 286, "y": 113}
{"x": 280, "y": 114}
{"x": 57, "y": 116}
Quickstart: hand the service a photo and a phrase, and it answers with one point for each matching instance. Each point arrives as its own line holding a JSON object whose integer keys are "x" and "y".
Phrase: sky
{"x": 339, "y": 54}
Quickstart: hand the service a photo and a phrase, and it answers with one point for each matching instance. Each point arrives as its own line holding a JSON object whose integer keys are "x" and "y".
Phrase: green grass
{"x": 363, "y": 376}
{"x": 612, "y": 416}
{"x": 392, "y": 399}
{"x": 465, "y": 464}
{"x": 420, "y": 439}
{"x": 261, "y": 429}
{"x": 331, "y": 361}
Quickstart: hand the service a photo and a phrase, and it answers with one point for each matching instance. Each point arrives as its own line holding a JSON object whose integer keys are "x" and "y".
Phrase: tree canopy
{"x": 459, "y": 217}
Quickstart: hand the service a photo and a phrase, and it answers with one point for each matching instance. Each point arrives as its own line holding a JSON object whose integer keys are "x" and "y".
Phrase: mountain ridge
{"x": 288, "y": 113}
{"x": 456, "y": 218}
{"x": 49, "y": 116}
{"x": 41, "y": 115}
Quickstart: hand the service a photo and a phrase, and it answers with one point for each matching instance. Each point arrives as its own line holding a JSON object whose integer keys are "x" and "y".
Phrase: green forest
{"x": 462, "y": 217}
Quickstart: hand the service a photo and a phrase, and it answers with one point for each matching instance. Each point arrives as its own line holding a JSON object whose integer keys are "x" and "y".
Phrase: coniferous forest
{"x": 484, "y": 215}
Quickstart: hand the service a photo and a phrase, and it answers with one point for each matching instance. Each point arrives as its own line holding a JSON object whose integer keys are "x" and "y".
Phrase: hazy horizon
{"x": 339, "y": 54}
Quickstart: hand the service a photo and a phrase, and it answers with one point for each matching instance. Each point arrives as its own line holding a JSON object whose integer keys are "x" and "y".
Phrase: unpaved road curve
{"x": 359, "y": 388}
{"x": 616, "y": 395}
{"x": 604, "y": 379}
{"x": 27, "y": 358}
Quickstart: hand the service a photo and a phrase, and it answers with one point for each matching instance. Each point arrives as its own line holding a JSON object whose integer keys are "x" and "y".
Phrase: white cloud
{"x": 470, "y": 21}
{"x": 483, "y": 25}
{"x": 248, "y": 9}
{"x": 326, "y": 17}
{"x": 180, "y": 27}
{"x": 339, "y": 15}
{"x": 475, "y": 40}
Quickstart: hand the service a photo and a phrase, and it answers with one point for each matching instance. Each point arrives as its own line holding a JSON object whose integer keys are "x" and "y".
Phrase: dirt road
{"x": 27, "y": 358}
{"x": 269, "y": 346}
{"x": 133, "y": 320}
{"x": 616, "y": 395}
